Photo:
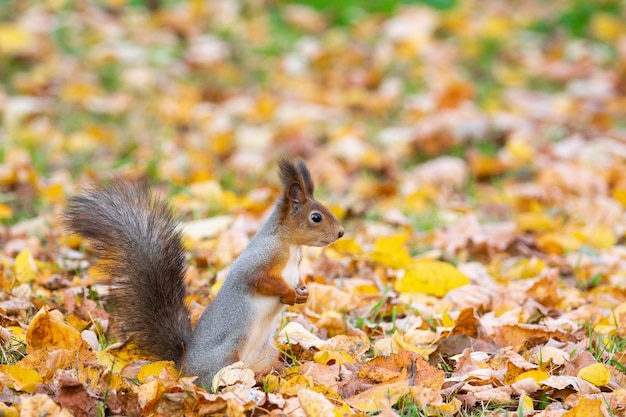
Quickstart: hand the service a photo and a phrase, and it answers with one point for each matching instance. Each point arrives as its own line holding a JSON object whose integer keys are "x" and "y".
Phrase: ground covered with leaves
{"x": 474, "y": 151}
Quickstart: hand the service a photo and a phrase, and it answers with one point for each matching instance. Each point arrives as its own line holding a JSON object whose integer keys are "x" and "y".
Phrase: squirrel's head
{"x": 305, "y": 220}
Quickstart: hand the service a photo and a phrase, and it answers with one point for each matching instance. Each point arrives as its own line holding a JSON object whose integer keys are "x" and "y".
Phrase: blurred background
{"x": 213, "y": 92}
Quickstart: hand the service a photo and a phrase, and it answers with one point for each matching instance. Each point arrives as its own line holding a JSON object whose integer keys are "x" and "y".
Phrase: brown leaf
{"x": 521, "y": 336}
{"x": 467, "y": 324}
{"x": 73, "y": 396}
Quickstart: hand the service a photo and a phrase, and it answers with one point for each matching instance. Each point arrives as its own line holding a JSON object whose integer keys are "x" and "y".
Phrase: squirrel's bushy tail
{"x": 140, "y": 249}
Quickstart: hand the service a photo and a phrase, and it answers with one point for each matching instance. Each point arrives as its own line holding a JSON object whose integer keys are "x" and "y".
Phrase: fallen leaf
{"x": 597, "y": 374}
{"x": 295, "y": 333}
{"x": 374, "y": 398}
{"x": 154, "y": 369}
{"x": 466, "y": 324}
{"x": 431, "y": 277}
{"x": 391, "y": 251}
{"x": 14, "y": 39}
{"x": 563, "y": 381}
{"x": 47, "y": 330}
{"x": 326, "y": 356}
{"x": 41, "y": 405}
{"x": 587, "y": 407}
{"x": 315, "y": 404}
{"x": 25, "y": 268}
{"x": 537, "y": 376}
{"x": 8, "y": 411}
{"x": 233, "y": 374}
{"x": 21, "y": 379}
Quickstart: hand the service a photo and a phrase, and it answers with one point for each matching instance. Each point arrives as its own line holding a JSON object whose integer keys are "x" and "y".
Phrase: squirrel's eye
{"x": 316, "y": 217}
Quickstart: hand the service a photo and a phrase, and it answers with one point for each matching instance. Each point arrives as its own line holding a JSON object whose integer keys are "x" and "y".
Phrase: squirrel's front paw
{"x": 289, "y": 298}
{"x": 302, "y": 294}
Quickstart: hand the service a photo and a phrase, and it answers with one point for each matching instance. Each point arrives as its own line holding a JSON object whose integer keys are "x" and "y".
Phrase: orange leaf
{"x": 47, "y": 330}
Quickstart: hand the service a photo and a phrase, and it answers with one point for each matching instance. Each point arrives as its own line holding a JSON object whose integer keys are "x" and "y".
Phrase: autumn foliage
{"x": 474, "y": 151}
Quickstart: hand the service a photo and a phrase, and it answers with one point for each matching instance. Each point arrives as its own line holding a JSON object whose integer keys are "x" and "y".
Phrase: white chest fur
{"x": 290, "y": 272}
{"x": 258, "y": 344}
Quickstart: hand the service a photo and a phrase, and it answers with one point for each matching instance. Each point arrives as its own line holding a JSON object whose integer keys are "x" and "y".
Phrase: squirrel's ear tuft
{"x": 293, "y": 186}
{"x": 306, "y": 178}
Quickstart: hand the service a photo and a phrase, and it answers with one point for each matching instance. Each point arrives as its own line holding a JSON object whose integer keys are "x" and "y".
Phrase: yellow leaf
{"x": 431, "y": 277}
{"x": 77, "y": 323}
{"x": 54, "y": 194}
{"x": 520, "y": 150}
{"x": 338, "y": 211}
{"x": 326, "y": 356}
{"x": 525, "y": 268}
{"x": 373, "y": 399}
{"x": 398, "y": 337}
{"x": 271, "y": 382}
{"x": 315, "y": 404}
{"x": 620, "y": 195}
{"x": 600, "y": 237}
{"x": 446, "y": 320}
{"x": 5, "y": 211}
{"x": 526, "y": 404}
{"x": 534, "y": 221}
{"x": 538, "y": 376}
{"x": 149, "y": 395}
{"x": 370, "y": 289}
{"x": 22, "y": 379}
{"x": 14, "y": 39}
{"x": 7, "y": 411}
{"x": 78, "y": 92}
{"x": 606, "y": 27}
{"x": 109, "y": 361}
{"x": 448, "y": 409}
{"x": 597, "y": 374}
{"x": 18, "y": 334}
{"x": 47, "y": 330}
{"x": 555, "y": 243}
{"x": 348, "y": 246}
{"x": 294, "y": 383}
{"x": 496, "y": 27}
{"x": 25, "y": 268}
{"x": 586, "y": 407}
{"x": 155, "y": 369}
{"x": 391, "y": 251}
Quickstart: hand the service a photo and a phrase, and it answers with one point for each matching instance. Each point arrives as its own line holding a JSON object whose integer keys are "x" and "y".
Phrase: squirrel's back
{"x": 140, "y": 249}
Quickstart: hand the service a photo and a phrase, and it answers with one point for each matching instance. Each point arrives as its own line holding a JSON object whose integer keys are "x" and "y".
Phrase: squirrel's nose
{"x": 340, "y": 233}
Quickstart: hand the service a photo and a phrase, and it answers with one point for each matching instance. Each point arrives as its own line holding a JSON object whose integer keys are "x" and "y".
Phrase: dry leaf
{"x": 315, "y": 404}
{"x": 374, "y": 398}
{"x": 39, "y": 405}
{"x": 47, "y": 330}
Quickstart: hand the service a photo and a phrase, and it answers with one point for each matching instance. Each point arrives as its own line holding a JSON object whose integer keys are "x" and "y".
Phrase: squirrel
{"x": 137, "y": 239}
